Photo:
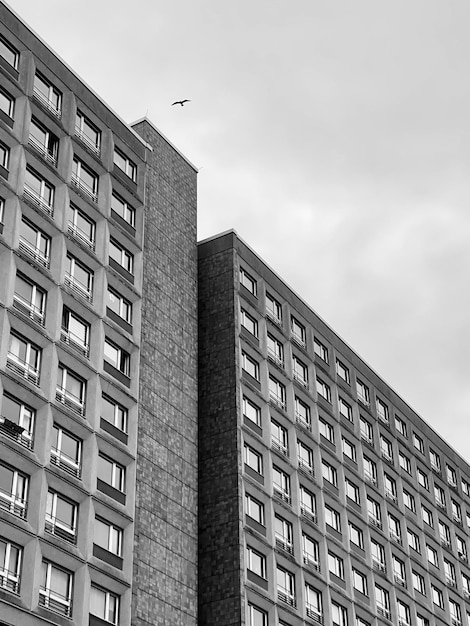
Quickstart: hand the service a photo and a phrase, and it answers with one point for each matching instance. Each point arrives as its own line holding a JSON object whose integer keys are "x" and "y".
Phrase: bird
{"x": 181, "y": 102}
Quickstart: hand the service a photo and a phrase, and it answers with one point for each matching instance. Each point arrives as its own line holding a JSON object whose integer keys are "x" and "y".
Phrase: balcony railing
{"x": 274, "y": 317}
{"x": 277, "y": 401}
{"x": 275, "y": 358}
{"x": 308, "y": 514}
{"x": 12, "y": 503}
{"x": 305, "y": 467}
{"x": 33, "y": 252}
{"x": 32, "y": 197}
{"x": 284, "y": 544}
{"x": 281, "y": 494}
{"x": 47, "y": 154}
{"x": 29, "y": 309}
{"x": 370, "y": 478}
{"x": 285, "y": 596}
{"x": 55, "y": 602}
{"x": 46, "y": 103}
{"x": 278, "y": 445}
{"x": 61, "y": 529}
{"x": 88, "y": 141}
{"x": 75, "y": 342}
{"x": 84, "y": 188}
{"x": 311, "y": 562}
{"x": 383, "y": 610}
{"x": 9, "y": 580}
{"x": 15, "y": 432}
{"x": 23, "y": 369}
{"x": 300, "y": 378}
{"x": 314, "y": 614}
{"x": 81, "y": 236}
{"x": 78, "y": 288}
{"x": 65, "y": 462}
{"x": 70, "y": 400}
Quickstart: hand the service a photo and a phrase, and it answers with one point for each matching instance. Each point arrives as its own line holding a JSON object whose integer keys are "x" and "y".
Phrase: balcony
{"x": 59, "y": 528}
{"x": 277, "y": 401}
{"x": 383, "y": 611}
{"x": 23, "y": 369}
{"x": 15, "y": 432}
{"x": 70, "y": 400}
{"x": 81, "y": 236}
{"x": 285, "y": 596}
{"x": 311, "y": 562}
{"x": 82, "y": 187}
{"x": 31, "y": 311}
{"x": 308, "y": 514}
{"x": 284, "y": 545}
{"x": 28, "y": 248}
{"x": 281, "y": 494}
{"x": 314, "y": 614}
{"x": 10, "y": 581}
{"x": 47, "y": 103}
{"x": 272, "y": 356}
{"x": 65, "y": 462}
{"x": 279, "y": 446}
{"x": 88, "y": 141}
{"x": 78, "y": 288}
{"x": 300, "y": 379}
{"x": 55, "y": 602}
{"x": 12, "y": 503}
{"x": 32, "y": 197}
{"x": 46, "y": 152}
{"x": 75, "y": 342}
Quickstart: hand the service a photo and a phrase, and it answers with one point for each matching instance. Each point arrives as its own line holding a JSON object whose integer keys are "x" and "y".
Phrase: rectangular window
{"x": 310, "y": 552}
{"x": 437, "y": 597}
{"x": 254, "y": 508}
{"x": 352, "y": 491}
{"x": 47, "y": 95}
{"x": 435, "y": 460}
{"x": 18, "y": 420}
{"x": 256, "y": 562}
{"x": 323, "y": 390}
{"x": 349, "y": 450}
{"x": 66, "y": 451}
{"x": 329, "y": 473}
{"x": 281, "y": 485}
{"x": 298, "y": 332}
{"x": 10, "y": 566}
{"x": 386, "y": 448}
{"x": 299, "y": 371}
{"x": 382, "y": 601}
{"x": 9, "y": 53}
{"x": 24, "y": 358}
{"x": 107, "y": 536}
{"x": 277, "y": 393}
{"x": 345, "y": 409}
{"x": 75, "y": 332}
{"x": 404, "y": 462}
{"x": 455, "y": 612}
{"x": 249, "y": 322}
{"x": 367, "y": 432}
{"x": 394, "y": 529}
{"x": 84, "y": 179}
{"x": 7, "y": 105}
{"x": 339, "y": 615}
{"x": 250, "y": 366}
{"x": 374, "y": 514}
{"x": 421, "y": 621}
{"x": 4, "y": 159}
{"x": 29, "y": 299}
{"x": 413, "y": 540}
{"x": 273, "y": 309}
{"x": 439, "y": 496}
{"x": 285, "y": 587}
{"x": 449, "y": 571}
{"x": 326, "y": 430}
{"x": 248, "y": 282}
{"x": 418, "y": 443}
{"x": 79, "y": 278}
{"x": 121, "y": 256}
{"x": 61, "y": 517}
{"x": 275, "y": 350}
{"x": 111, "y": 473}
{"x": 302, "y": 413}
{"x": 251, "y": 411}
{"x": 125, "y": 164}
{"x": 117, "y": 357}
{"x": 119, "y": 305}
{"x": 13, "y": 491}
{"x": 313, "y": 604}
{"x": 370, "y": 471}
{"x": 422, "y": 479}
{"x": 390, "y": 487}
{"x": 104, "y": 605}
{"x": 320, "y": 350}
{"x": 419, "y": 583}
{"x": 71, "y": 390}
{"x": 456, "y": 512}
{"x": 404, "y": 614}
{"x": 426, "y": 514}
{"x": 360, "y": 582}
{"x": 305, "y": 457}
{"x": 461, "y": 549}
{"x": 256, "y": 617}
{"x": 335, "y": 565}
{"x": 342, "y": 371}
{"x": 356, "y": 535}
{"x": 114, "y": 413}
{"x": 332, "y": 518}
{"x": 87, "y": 132}
{"x": 432, "y": 555}
{"x": 399, "y": 572}
{"x": 378, "y": 556}
{"x": 409, "y": 501}
{"x": 34, "y": 243}
{"x": 123, "y": 209}
{"x": 283, "y": 533}
{"x": 363, "y": 394}
{"x": 81, "y": 227}
{"x": 43, "y": 141}
{"x": 308, "y": 504}
{"x": 55, "y": 592}
{"x": 279, "y": 439}
{"x": 382, "y": 410}
{"x": 253, "y": 459}
{"x": 451, "y": 476}
{"x": 400, "y": 426}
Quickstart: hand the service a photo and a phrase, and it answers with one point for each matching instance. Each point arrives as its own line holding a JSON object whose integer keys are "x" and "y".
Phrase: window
{"x": 8, "y": 53}
{"x": 281, "y": 484}
{"x": 390, "y": 486}
{"x": 361, "y": 622}
{"x": 404, "y": 613}
{"x": 111, "y": 473}
{"x": 367, "y": 433}
{"x": 107, "y": 536}
{"x": 104, "y": 605}
{"x": 13, "y": 491}
{"x": 249, "y": 322}
{"x": 7, "y": 103}
{"x": 113, "y": 413}
{"x": 404, "y": 462}
{"x": 466, "y": 585}
{"x": 275, "y": 350}
{"x": 250, "y": 366}
{"x": 320, "y": 350}
{"x": 370, "y": 471}
{"x": 87, "y": 132}
{"x": 285, "y": 586}
{"x": 75, "y": 332}
{"x": 329, "y": 473}
{"x": 66, "y": 451}
{"x": 421, "y": 621}
{"x": 273, "y": 309}
{"x": 400, "y": 426}
{"x": 360, "y": 582}
{"x": 34, "y": 243}
{"x": 399, "y": 573}
{"x": 43, "y": 141}
{"x": 55, "y": 592}
{"x": 256, "y": 617}
{"x": 81, "y": 227}
{"x": 382, "y": 410}
{"x": 335, "y": 565}
{"x": 345, "y": 409}
{"x": 251, "y": 411}
{"x": 277, "y": 393}
{"x": 455, "y": 612}
{"x": 456, "y": 511}
{"x": 382, "y": 601}
{"x": 451, "y": 476}
{"x": 30, "y": 299}
{"x": 342, "y": 371}
{"x": 432, "y": 555}
{"x": 10, "y": 564}
{"x": 435, "y": 460}
{"x": 47, "y": 94}
{"x": 323, "y": 390}
{"x": 394, "y": 528}
{"x": 418, "y": 443}
{"x": 248, "y": 282}
{"x": 313, "y": 604}
{"x": 298, "y": 331}
{"x": 356, "y": 535}
{"x": 310, "y": 552}
{"x": 308, "y": 505}
{"x": 122, "y": 209}
{"x": 352, "y": 491}
{"x": 79, "y": 278}
{"x": 302, "y": 413}
{"x": 439, "y": 496}
{"x": 70, "y": 390}
{"x": 254, "y": 508}
{"x": 378, "y": 555}
{"x": 4, "y": 159}
{"x": 426, "y": 514}
{"x": 284, "y": 534}
{"x": 461, "y": 548}
{"x": 119, "y": 305}
{"x": 332, "y": 518}
{"x": 326, "y": 430}
{"x": 305, "y": 457}
{"x": 422, "y": 479}
{"x": 449, "y": 571}
{"x": 84, "y": 179}
{"x": 117, "y": 357}
{"x": 363, "y": 394}
{"x": 253, "y": 459}
{"x": 61, "y": 516}
{"x": 339, "y": 615}
{"x": 121, "y": 256}
{"x": 418, "y": 582}
{"x": 299, "y": 371}
{"x": 437, "y": 596}
{"x": 409, "y": 501}
{"x": 24, "y": 358}
{"x": 18, "y": 420}
{"x": 413, "y": 540}
{"x": 386, "y": 448}
{"x": 373, "y": 511}
{"x": 125, "y": 164}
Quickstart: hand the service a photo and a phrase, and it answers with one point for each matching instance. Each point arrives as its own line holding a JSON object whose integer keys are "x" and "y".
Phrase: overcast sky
{"x": 334, "y": 136}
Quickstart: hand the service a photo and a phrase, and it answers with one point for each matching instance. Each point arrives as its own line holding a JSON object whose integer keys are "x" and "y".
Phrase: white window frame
{"x": 343, "y": 371}
{"x": 125, "y": 164}
{"x": 51, "y": 599}
{"x": 87, "y": 132}
{"x": 9, "y": 53}
{"x": 275, "y": 349}
{"x": 250, "y": 366}
{"x": 332, "y": 518}
{"x": 47, "y": 94}
{"x": 125, "y": 210}
{"x": 83, "y": 290}
{"x": 277, "y": 392}
{"x": 124, "y": 306}
{"x": 65, "y": 396}
{"x": 273, "y": 308}
{"x": 323, "y": 389}
{"x": 54, "y": 524}
{"x": 114, "y": 536}
{"x": 247, "y": 281}
{"x": 298, "y": 331}
{"x": 59, "y": 458}
{"x": 118, "y": 474}
{"x": 121, "y": 255}
{"x": 253, "y": 459}
{"x": 320, "y": 350}
{"x": 10, "y": 572}
{"x": 30, "y": 367}
{"x": 249, "y": 322}
{"x": 109, "y": 597}
{"x": 40, "y": 248}
{"x": 254, "y": 508}
{"x": 302, "y": 413}
{"x": 122, "y": 359}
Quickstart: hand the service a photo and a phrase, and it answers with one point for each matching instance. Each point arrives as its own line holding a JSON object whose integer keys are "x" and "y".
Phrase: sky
{"x": 334, "y": 137}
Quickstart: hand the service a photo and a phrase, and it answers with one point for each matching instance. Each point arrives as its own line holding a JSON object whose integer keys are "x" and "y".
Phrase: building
{"x": 324, "y": 499}
{"x": 98, "y": 368}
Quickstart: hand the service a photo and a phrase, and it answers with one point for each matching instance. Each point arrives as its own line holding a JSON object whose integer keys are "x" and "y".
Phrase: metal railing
{"x": 33, "y": 252}
{"x": 47, "y": 103}
{"x": 22, "y": 368}
{"x": 29, "y": 309}
{"x": 81, "y": 236}
{"x": 32, "y": 197}
{"x": 43, "y": 150}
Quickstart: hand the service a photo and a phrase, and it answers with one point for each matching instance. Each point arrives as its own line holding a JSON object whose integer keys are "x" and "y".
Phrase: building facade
{"x": 98, "y": 404}
{"x": 324, "y": 499}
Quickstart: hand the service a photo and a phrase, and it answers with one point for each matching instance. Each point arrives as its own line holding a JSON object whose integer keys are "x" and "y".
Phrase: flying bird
{"x": 181, "y": 102}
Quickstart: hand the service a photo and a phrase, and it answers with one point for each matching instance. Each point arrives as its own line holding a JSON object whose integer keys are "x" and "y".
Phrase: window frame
{"x": 61, "y": 604}
{"x": 125, "y": 164}
{"x": 107, "y": 605}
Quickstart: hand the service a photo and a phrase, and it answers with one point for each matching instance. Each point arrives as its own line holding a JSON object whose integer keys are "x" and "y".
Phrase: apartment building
{"x": 98, "y": 406}
{"x": 324, "y": 499}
